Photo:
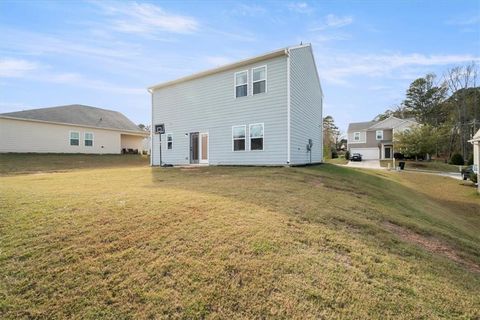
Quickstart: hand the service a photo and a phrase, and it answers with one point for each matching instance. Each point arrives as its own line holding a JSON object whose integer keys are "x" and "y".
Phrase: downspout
{"x": 287, "y": 52}
{"x": 151, "y": 128}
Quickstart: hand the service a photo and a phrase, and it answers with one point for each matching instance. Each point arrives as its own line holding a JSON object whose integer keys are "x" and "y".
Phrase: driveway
{"x": 365, "y": 164}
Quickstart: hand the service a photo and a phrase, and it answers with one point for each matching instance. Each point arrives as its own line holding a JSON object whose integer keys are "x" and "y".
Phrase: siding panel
{"x": 27, "y": 136}
{"x": 306, "y": 107}
{"x": 208, "y": 105}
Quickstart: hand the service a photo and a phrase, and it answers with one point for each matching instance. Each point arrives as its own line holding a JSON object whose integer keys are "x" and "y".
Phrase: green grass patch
{"x": 432, "y": 165}
{"x": 20, "y": 163}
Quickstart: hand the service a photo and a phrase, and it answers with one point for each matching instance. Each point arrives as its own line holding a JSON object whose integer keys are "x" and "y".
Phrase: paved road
{"x": 365, "y": 164}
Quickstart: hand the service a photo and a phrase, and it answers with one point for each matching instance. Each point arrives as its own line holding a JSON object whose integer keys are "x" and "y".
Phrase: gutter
{"x": 287, "y": 53}
{"x": 151, "y": 128}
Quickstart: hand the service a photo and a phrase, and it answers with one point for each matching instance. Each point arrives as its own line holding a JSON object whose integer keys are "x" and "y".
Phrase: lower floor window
{"x": 74, "y": 138}
{"x": 256, "y": 136}
{"x": 169, "y": 141}
{"x": 88, "y": 139}
{"x": 238, "y": 136}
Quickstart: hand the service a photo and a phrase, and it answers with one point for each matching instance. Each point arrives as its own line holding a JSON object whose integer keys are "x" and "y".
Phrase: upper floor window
{"x": 379, "y": 134}
{"x": 169, "y": 141}
{"x": 259, "y": 79}
{"x": 88, "y": 139}
{"x": 356, "y": 136}
{"x": 256, "y": 136}
{"x": 241, "y": 84}
{"x": 74, "y": 138}
{"x": 238, "y": 137}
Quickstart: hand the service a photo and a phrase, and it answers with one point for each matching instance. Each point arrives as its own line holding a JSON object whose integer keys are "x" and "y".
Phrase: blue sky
{"x": 105, "y": 53}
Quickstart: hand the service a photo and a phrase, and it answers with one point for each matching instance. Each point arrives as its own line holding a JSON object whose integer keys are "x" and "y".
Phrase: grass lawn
{"x": 17, "y": 163}
{"x": 319, "y": 242}
{"x": 424, "y": 165}
{"x": 339, "y": 160}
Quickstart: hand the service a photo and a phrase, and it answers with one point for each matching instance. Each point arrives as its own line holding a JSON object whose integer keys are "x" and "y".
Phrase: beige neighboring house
{"x": 69, "y": 129}
{"x": 374, "y": 139}
{"x": 476, "y": 156}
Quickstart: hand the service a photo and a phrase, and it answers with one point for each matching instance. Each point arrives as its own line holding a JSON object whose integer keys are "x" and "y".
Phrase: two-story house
{"x": 266, "y": 110}
{"x": 374, "y": 139}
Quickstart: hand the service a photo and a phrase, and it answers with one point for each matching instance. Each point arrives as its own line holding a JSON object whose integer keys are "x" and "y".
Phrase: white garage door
{"x": 367, "y": 153}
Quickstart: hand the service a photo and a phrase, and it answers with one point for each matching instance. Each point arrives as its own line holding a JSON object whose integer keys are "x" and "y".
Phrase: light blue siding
{"x": 305, "y": 107}
{"x": 207, "y": 104}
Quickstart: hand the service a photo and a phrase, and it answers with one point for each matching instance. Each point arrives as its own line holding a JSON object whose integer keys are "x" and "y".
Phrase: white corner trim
{"x": 288, "y": 106}
{"x": 151, "y": 131}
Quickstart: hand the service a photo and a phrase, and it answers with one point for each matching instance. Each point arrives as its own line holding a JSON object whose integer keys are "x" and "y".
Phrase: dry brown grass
{"x": 247, "y": 243}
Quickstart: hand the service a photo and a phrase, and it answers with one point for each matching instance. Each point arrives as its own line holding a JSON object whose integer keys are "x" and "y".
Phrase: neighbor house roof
{"x": 359, "y": 126}
{"x": 77, "y": 114}
{"x": 269, "y": 55}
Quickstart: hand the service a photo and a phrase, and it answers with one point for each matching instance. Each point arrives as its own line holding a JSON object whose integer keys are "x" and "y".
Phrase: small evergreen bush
{"x": 457, "y": 159}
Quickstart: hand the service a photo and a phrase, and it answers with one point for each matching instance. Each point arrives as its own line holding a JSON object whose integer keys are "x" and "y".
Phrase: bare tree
{"x": 459, "y": 79}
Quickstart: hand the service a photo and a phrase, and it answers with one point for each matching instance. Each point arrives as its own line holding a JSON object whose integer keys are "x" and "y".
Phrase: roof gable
{"x": 78, "y": 115}
{"x": 360, "y": 126}
{"x": 391, "y": 122}
{"x": 262, "y": 57}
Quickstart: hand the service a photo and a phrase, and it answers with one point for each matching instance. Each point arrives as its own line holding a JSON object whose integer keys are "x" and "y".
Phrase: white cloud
{"x": 78, "y": 80}
{"x": 300, "y": 7}
{"x": 18, "y": 68}
{"x": 337, "y": 68}
{"x": 218, "y": 60}
{"x": 465, "y": 21}
{"x": 330, "y": 37}
{"x": 13, "y": 68}
{"x": 251, "y": 10}
{"x": 332, "y": 21}
{"x": 146, "y": 18}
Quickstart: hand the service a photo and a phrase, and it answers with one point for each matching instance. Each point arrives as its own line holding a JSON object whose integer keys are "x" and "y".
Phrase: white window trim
{"x": 376, "y": 135}
{"x": 233, "y": 139}
{"x": 355, "y": 135}
{"x": 70, "y": 138}
{"x": 266, "y": 81}
{"x": 85, "y": 138}
{"x": 250, "y": 138}
{"x": 166, "y": 140}
{"x": 235, "y": 84}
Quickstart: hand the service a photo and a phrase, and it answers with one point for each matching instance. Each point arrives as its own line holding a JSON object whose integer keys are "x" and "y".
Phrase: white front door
{"x": 203, "y": 147}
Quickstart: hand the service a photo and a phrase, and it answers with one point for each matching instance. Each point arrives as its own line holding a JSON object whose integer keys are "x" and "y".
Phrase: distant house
{"x": 374, "y": 139}
{"x": 476, "y": 156}
{"x": 69, "y": 129}
{"x": 266, "y": 110}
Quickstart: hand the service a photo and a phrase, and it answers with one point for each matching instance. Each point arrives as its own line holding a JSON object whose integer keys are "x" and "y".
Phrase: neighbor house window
{"x": 88, "y": 139}
{"x": 259, "y": 80}
{"x": 238, "y": 137}
{"x": 169, "y": 141}
{"x": 74, "y": 138}
{"x": 356, "y": 136}
{"x": 379, "y": 134}
{"x": 241, "y": 84}
{"x": 256, "y": 136}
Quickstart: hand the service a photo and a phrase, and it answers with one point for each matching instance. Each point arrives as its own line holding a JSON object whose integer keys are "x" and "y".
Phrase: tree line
{"x": 448, "y": 109}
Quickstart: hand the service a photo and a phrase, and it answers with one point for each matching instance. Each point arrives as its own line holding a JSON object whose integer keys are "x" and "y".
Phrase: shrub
{"x": 398, "y": 156}
{"x": 347, "y": 155}
{"x": 470, "y": 160}
{"x": 473, "y": 177}
{"x": 457, "y": 159}
{"x": 334, "y": 154}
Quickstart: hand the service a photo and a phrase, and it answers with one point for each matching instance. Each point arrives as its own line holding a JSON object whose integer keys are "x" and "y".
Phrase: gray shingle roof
{"x": 78, "y": 114}
{"x": 358, "y": 126}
